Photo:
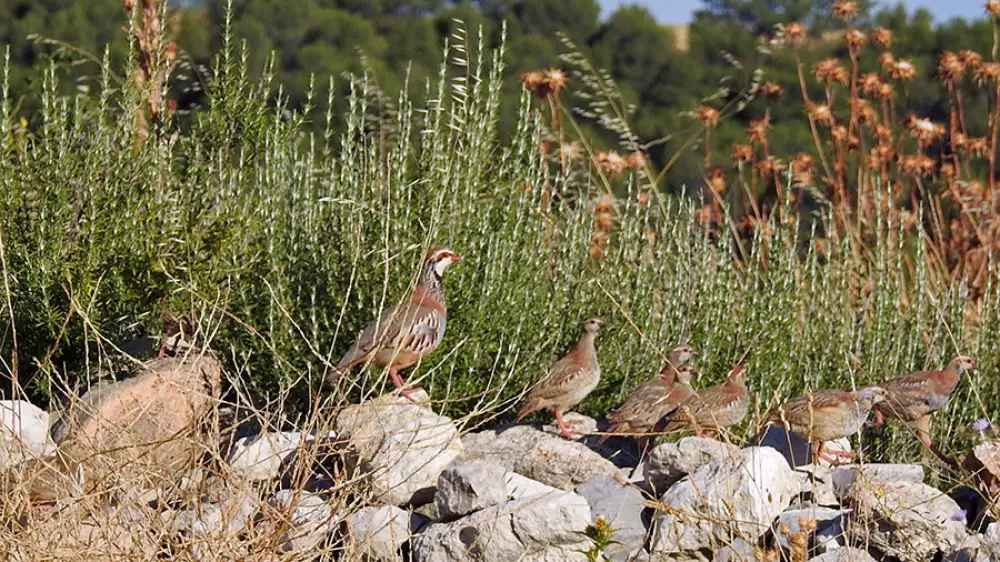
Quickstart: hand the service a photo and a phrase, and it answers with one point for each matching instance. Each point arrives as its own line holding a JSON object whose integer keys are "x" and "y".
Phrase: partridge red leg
{"x": 879, "y": 420}
{"x": 564, "y": 428}
{"x": 398, "y": 381}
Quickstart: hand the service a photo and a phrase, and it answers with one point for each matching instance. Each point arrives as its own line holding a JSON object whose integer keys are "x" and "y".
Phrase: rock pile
{"x": 406, "y": 485}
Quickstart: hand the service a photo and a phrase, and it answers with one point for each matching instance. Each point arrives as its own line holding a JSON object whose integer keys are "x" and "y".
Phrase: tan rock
{"x": 138, "y": 433}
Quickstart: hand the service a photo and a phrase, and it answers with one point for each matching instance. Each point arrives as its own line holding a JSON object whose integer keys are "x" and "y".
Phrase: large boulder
{"x": 620, "y": 505}
{"x": 727, "y": 498}
{"x": 669, "y": 462}
{"x": 547, "y": 458}
{"x": 910, "y": 521}
{"x": 24, "y": 433}
{"x": 469, "y": 486}
{"x": 544, "y": 528}
{"x": 402, "y": 446}
{"x": 138, "y": 433}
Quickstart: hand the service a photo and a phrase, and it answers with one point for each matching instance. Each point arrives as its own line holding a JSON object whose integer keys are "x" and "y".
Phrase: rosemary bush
{"x": 283, "y": 243}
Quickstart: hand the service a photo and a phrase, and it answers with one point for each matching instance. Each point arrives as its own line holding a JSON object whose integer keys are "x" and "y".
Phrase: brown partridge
{"x": 569, "y": 380}
{"x": 714, "y": 408}
{"x": 912, "y": 398}
{"x": 404, "y": 334}
{"x": 649, "y": 402}
{"x": 825, "y": 415}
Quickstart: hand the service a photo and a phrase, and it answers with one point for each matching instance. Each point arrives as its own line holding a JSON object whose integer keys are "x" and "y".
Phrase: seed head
{"x": 950, "y": 68}
{"x": 882, "y": 37}
{"x": 611, "y": 163}
{"x": 757, "y": 131}
{"x": 741, "y": 153}
{"x": 947, "y": 170}
{"x": 903, "y": 70}
{"x": 557, "y": 79}
{"x": 845, "y": 9}
{"x": 855, "y": 38}
{"x": 987, "y": 72}
{"x": 970, "y": 59}
{"x": 821, "y": 114}
{"x": 635, "y": 160}
{"x": 870, "y": 84}
{"x": 830, "y": 71}
{"x": 772, "y": 90}
{"x": 887, "y": 60}
{"x": 570, "y": 151}
{"x": 977, "y": 146}
{"x": 708, "y": 115}
{"x": 924, "y": 130}
{"x": 883, "y": 133}
{"x": 866, "y": 113}
{"x": 886, "y": 91}
{"x": 536, "y": 83}
{"x": 717, "y": 181}
{"x": 795, "y": 30}
{"x": 993, "y": 7}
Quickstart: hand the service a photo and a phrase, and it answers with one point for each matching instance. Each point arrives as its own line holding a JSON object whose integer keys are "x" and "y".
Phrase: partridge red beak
{"x": 456, "y": 258}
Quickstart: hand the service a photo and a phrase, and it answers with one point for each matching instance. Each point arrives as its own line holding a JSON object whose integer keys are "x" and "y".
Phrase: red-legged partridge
{"x": 712, "y": 409}
{"x": 404, "y": 334}
{"x": 912, "y": 398}
{"x": 654, "y": 399}
{"x": 825, "y": 415}
{"x": 569, "y": 380}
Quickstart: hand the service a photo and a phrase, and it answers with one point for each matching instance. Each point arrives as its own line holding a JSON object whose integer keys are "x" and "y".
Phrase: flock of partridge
{"x": 404, "y": 334}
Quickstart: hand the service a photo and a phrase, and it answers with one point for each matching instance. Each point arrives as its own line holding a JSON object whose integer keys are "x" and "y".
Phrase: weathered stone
{"x": 846, "y": 554}
{"x": 307, "y": 519}
{"x": 739, "y": 551}
{"x": 669, "y": 462}
{"x": 378, "y": 533}
{"x": 402, "y": 445}
{"x": 796, "y": 450}
{"x": 518, "y": 487}
{"x": 827, "y": 534}
{"x": 24, "y": 433}
{"x": 210, "y": 526}
{"x": 907, "y": 520}
{"x": 469, "y": 486}
{"x": 817, "y": 485}
{"x": 621, "y": 506}
{"x": 546, "y": 458}
{"x": 541, "y": 528}
{"x": 262, "y": 456}
{"x": 727, "y": 498}
{"x": 847, "y": 477}
{"x": 138, "y": 433}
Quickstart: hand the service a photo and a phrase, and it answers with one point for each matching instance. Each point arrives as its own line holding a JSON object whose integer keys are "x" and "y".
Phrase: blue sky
{"x": 679, "y": 11}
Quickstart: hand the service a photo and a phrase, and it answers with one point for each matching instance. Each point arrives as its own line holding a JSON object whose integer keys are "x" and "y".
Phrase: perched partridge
{"x": 825, "y": 415}
{"x": 569, "y": 380}
{"x": 406, "y": 333}
{"x": 649, "y": 402}
{"x": 912, "y": 398}
{"x": 714, "y": 408}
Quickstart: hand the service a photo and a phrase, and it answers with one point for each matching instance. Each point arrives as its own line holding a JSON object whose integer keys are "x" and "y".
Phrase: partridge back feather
{"x": 918, "y": 394}
{"x": 714, "y": 408}
{"x": 649, "y": 402}
{"x": 825, "y": 415}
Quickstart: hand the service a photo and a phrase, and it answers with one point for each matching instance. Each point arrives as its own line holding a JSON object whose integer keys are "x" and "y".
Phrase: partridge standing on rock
{"x": 714, "y": 408}
{"x": 406, "y": 333}
{"x": 569, "y": 380}
{"x": 825, "y": 415}
{"x": 649, "y": 402}
{"x": 914, "y": 397}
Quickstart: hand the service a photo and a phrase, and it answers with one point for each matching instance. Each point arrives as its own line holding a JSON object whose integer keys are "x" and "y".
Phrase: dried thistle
{"x": 992, "y": 7}
{"x": 821, "y": 114}
{"x": 536, "y": 83}
{"x": 903, "y": 70}
{"x": 917, "y": 165}
{"x": 741, "y": 153}
{"x": 855, "y": 38}
{"x": 924, "y": 130}
{"x": 772, "y": 90}
{"x": 947, "y": 170}
{"x": 830, "y": 71}
{"x": 883, "y": 133}
{"x": 870, "y": 84}
{"x": 717, "y": 181}
{"x": 556, "y": 79}
{"x": 570, "y": 151}
{"x": 845, "y": 9}
{"x": 611, "y": 163}
{"x": 978, "y": 146}
{"x": 887, "y": 60}
{"x": 636, "y": 160}
{"x": 886, "y": 91}
{"x": 757, "y": 131}
{"x": 987, "y": 72}
{"x": 795, "y": 30}
{"x": 866, "y": 113}
{"x": 970, "y": 59}
{"x": 708, "y": 115}
{"x": 882, "y": 37}
{"x": 950, "y": 68}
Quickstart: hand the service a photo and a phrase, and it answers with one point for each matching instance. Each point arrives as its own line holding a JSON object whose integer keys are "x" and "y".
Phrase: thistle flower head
{"x": 741, "y": 153}
{"x": 772, "y": 90}
{"x": 992, "y": 7}
{"x": 830, "y": 71}
{"x": 757, "y": 131}
{"x": 557, "y": 79}
{"x": 950, "y": 67}
{"x": 855, "y": 38}
{"x": 845, "y": 9}
{"x": 795, "y": 30}
{"x": 903, "y": 70}
{"x": 882, "y": 37}
{"x": 708, "y": 115}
